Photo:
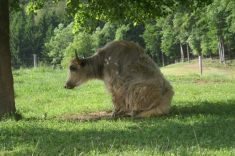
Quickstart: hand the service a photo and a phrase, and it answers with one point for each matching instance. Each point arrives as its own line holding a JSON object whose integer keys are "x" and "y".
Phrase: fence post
{"x": 35, "y": 60}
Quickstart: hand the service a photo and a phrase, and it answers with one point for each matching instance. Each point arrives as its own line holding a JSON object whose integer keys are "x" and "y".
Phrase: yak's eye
{"x": 73, "y": 68}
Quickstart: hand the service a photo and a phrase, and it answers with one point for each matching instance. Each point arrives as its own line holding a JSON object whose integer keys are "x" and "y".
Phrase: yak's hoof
{"x": 119, "y": 114}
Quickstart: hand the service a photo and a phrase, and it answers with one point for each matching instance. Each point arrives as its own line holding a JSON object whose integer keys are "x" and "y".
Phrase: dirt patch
{"x": 88, "y": 117}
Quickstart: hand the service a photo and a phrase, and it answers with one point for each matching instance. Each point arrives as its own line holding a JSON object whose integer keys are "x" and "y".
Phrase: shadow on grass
{"x": 204, "y": 108}
{"x": 213, "y": 131}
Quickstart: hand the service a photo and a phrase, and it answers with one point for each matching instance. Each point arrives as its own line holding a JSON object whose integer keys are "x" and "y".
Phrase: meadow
{"x": 201, "y": 121}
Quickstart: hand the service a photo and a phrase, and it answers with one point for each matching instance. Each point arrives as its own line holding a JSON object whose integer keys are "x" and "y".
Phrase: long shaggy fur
{"x": 138, "y": 87}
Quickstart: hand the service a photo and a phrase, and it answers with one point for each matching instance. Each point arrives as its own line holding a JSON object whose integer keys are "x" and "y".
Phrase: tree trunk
{"x": 182, "y": 53}
{"x": 229, "y": 54}
{"x": 188, "y": 56}
{"x": 200, "y": 62}
{"x": 7, "y": 102}
{"x": 221, "y": 50}
{"x": 210, "y": 55}
{"x": 163, "y": 60}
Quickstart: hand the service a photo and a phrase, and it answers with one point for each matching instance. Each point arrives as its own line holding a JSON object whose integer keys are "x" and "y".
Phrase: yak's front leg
{"x": 119, "y": 107}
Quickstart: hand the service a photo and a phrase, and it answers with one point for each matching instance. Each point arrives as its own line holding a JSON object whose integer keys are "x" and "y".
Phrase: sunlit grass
{"x": 44, "y": 94}
{"x": 210, "y": 67}
{"x": 201, "y": 121}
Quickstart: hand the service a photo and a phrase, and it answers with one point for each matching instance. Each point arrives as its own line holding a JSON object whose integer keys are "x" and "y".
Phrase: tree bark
{"x": 163, "y": 60}
{"x": 188, "y": 56}
{"x": 221, "y": 50}
{"x": 210, "y": 55}
{"x": 229, "y": 54}
{"x": 200, "y": 62}
{"x": 182, "y": 53}
{"x": 7, "y": 102}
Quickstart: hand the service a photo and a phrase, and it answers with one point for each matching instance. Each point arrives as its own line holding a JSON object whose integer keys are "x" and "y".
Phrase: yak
{"x": 137, "y": 86}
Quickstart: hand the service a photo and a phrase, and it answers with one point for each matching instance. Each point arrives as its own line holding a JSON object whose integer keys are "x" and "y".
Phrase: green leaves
{"x": 82, "y": 43}
{"x": 195, "y": 25}
{"x": 122, "y": 31}
{"x": 55, "y": 48}
{"x": 32, "y": 6}
{"x": 140, "y": 11}
{"x": 103, "y": 35}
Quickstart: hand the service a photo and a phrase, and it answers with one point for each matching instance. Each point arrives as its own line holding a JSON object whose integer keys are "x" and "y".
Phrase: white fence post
{"x": 35, "y": 60}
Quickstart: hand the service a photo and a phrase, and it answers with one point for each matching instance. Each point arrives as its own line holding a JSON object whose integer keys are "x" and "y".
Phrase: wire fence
{"x": 33, "y": 61}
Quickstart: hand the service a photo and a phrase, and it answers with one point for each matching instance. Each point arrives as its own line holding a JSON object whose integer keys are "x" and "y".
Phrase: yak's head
{"x": 77, "y": 73}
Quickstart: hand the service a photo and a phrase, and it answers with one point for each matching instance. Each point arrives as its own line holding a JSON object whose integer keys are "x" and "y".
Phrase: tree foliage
{"x": 102, "y": 35}
{"x": 82, "y": 44}
{"x": 55, "y": 48}
{"x": 121, "y": 32}
{"x": 197, "y": 27}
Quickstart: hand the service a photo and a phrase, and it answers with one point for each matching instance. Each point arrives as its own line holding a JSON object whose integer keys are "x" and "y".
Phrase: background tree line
{"x": 182, "y": 35}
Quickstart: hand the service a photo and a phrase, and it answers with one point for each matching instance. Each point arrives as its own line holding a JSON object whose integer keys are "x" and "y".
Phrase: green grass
{"x": 201, "y": 121}
{"x": 210, "y": 68}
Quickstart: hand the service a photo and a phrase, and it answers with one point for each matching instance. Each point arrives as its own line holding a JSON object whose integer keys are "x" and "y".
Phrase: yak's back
{"x": 121, "y": 52}
{"x": 127, "y": 60}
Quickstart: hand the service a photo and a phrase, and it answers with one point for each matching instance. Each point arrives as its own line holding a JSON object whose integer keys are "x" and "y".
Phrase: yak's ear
{"x": 77, "y": 58}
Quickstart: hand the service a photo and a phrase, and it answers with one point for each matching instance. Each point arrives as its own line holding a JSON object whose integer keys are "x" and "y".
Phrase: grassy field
{"x": 201, "y": 121}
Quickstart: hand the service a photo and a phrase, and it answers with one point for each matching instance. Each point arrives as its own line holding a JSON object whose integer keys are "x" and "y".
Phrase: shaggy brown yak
{"x": 137, "y": 86}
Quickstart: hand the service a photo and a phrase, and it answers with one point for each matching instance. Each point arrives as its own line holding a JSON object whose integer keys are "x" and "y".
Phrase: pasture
{"x": 201, "y": 121}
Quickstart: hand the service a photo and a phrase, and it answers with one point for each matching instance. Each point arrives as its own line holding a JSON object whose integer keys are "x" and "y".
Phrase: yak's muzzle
{"x": 69, "y": 85}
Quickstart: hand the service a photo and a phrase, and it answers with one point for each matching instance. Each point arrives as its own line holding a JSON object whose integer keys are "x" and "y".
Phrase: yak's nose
{"x": 68, "y": 85}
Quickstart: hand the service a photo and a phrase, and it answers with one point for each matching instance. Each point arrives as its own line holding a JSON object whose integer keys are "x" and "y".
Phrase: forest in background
{"x": 50, "y": 33}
